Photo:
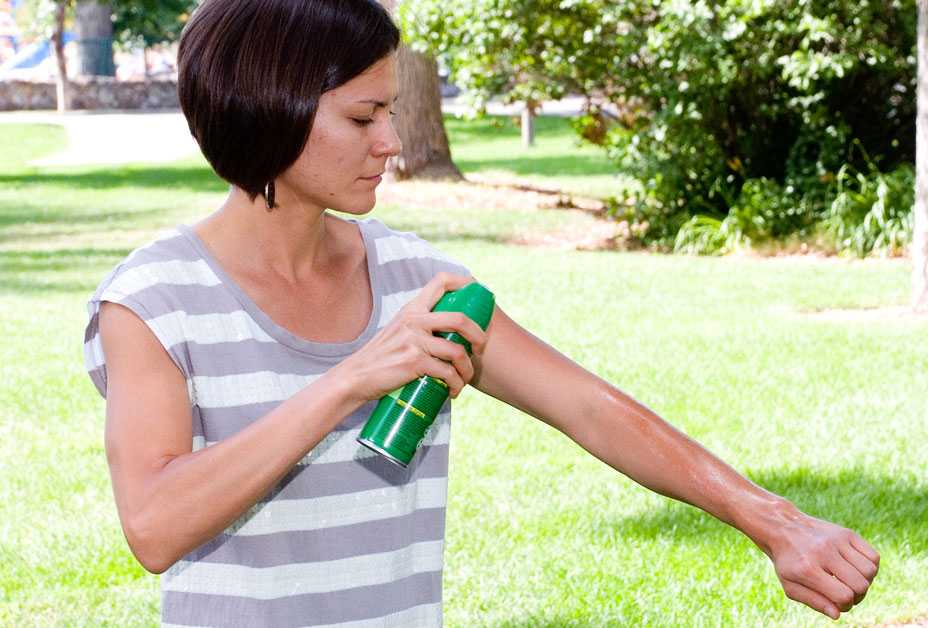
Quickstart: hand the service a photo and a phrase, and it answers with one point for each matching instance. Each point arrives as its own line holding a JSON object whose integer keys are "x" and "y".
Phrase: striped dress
{"x": 346, "y": 538}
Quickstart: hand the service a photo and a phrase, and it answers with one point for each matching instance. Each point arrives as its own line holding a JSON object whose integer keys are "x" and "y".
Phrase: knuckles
{"x": 802, "y": 569}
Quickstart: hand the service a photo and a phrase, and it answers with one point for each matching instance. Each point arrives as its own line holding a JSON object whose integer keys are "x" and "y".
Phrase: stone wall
{"x": 91, "y": 93}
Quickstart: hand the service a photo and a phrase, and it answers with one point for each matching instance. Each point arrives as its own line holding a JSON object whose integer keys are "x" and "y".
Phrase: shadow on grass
{"x": 107, "y": 221}
{"x": 496, "y": 128}
{"x": 189, "y": 177}
{"x": 559, "y": 165}
{"x": 33, "y": 272}
{"x": 69, "y": 199}
{"x": 884, "y": 509}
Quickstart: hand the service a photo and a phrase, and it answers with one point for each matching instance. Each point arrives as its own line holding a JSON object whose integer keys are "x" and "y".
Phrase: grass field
{"x": 830, "y": 415}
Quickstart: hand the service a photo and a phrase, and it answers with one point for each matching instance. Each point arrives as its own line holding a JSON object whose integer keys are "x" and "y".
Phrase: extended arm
{"x": 819, "y": 564}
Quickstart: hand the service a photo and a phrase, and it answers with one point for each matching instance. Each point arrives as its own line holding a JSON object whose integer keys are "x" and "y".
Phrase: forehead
{"x": 376, "y": 85}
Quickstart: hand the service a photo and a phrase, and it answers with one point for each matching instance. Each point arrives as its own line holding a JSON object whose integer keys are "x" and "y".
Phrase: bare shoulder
{"x": 128, "y": 342}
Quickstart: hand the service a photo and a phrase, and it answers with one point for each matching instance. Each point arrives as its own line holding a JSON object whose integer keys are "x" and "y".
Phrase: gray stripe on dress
{"x": 306, "y": 546}
{"x": 314, "y": 608}
{"x": 342, "y": 478}
{"x": 201, "y": 299}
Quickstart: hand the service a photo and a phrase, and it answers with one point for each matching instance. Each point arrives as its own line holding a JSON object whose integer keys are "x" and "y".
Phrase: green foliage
{"x": 714, "y": 97}
{"x": 146, "y": 23}
{"x": 515, "y": 48}
{"x": 872, "y": 211}
{"x": 135, "y": 22}
{"x": 36, "y": 18}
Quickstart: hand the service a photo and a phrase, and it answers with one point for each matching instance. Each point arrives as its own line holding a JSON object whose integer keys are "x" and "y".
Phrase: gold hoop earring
{"x": 269, "y": 194}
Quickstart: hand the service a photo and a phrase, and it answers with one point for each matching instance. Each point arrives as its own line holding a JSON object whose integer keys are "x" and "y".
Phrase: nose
{"x": 389, "y": 143}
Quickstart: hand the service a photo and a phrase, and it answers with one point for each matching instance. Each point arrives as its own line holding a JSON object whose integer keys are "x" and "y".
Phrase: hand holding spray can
{"x": 398, "y": 424}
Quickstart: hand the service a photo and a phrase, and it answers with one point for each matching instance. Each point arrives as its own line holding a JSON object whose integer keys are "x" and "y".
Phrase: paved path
{"x": 162, "y": 136}
{"x": 113, "y": 137}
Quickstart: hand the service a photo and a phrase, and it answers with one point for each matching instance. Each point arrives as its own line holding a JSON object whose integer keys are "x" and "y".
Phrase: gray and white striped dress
{"x": 346, "y": 538}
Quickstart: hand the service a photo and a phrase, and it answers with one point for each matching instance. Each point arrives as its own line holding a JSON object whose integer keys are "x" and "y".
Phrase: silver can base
{"x": 376, "y": 448}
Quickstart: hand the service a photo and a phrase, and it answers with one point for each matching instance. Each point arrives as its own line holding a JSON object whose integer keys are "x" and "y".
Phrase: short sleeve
{"x": 167, "y": 328}
{"x": 441, "y": 261}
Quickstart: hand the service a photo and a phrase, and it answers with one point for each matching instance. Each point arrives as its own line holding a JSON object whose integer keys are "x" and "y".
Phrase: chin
{"x": 356, "y": 208}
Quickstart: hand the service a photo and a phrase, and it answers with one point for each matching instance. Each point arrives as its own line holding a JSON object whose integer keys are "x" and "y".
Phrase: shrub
{"x": 872, "y": 212}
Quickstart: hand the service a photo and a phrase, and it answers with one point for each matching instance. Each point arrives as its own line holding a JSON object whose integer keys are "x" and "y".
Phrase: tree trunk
{"x": 94, "y": 28}
{"x": 920, "y": 231}
{"x": 528, "y": 125}
{"x": 419, "y": 123}
{"x": 62, "y": 89}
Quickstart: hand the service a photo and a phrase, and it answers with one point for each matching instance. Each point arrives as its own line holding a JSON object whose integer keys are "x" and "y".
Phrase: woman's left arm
{"x": 822, "y": 565}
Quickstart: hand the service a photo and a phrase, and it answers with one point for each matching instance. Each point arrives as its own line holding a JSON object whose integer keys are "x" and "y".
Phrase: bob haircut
{"x": 251, "y": 72}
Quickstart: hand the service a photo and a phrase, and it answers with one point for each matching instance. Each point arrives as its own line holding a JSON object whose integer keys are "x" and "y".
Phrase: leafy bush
{"x": 722, "y": 104}
{"x": 872, "y": 211}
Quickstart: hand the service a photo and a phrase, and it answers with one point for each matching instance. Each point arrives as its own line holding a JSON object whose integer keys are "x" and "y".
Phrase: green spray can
{"x": 402, "y": 417}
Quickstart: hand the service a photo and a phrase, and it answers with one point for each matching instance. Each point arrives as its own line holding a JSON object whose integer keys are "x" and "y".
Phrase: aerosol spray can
{"x": 402, "y": 417}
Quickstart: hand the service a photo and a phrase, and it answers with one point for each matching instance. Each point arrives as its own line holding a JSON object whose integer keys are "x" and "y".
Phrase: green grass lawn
{"x": 540, "y": 533}
{"x": 492, "y": 147}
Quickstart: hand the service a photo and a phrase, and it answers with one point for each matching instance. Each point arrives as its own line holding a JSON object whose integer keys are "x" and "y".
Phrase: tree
{"x": 920, "y": 230}
{"x": 94, "y": 27}
{"x": 739, "y": 121}
{"x": 62, "y": 89}
{"x": 147, "y": 23}
{"x": 419, "y": 122}
{"x": 46, "y": 19}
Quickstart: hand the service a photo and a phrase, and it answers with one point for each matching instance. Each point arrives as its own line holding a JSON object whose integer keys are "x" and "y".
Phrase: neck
{"x": 292, "y": 241}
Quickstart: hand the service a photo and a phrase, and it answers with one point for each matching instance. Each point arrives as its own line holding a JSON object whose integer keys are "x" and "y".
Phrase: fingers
{"x": 806, "y": 581}
{"x": 833, "y": 588}
{"x": 844, "y": 571}
{"x": 859, "y": 544}
{"x": 435, "y": 289}
{"x": 810, "y": 598}
{"x": 459, "y": 322}
{"x": 443, "y": 371}
{"x": 864, "y": 566}
{"x": 867, "y": 568}
{"x": 461, "y": 369}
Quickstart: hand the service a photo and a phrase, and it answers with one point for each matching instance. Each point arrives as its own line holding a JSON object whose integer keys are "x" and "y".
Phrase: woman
{"x": 240, "y": 356}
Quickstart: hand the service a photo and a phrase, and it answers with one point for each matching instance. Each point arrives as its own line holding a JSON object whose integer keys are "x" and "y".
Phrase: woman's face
{"x": 351, "y": 138}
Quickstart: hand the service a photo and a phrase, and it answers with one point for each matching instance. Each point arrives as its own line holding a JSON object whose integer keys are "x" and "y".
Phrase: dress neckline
{"x": 280, "y": 333}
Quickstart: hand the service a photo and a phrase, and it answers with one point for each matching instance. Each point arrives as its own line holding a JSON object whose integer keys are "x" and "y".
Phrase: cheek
{"x": 336, "y": 154}
{"x": 331, "y": 163}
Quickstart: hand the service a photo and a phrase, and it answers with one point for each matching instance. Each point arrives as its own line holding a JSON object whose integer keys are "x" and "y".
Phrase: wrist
{"x": 340, "y": 380}
{"x": 764, "y": 518}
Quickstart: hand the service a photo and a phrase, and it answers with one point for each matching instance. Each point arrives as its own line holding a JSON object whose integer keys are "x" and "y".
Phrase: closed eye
{"x": 366, "y": 121}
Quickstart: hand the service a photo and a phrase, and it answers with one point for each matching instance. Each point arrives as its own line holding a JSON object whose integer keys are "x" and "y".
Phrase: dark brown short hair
{"x": 251, "y": 72}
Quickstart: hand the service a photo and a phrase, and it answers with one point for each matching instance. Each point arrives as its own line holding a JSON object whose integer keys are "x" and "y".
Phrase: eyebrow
{"x": 379, "y": 103}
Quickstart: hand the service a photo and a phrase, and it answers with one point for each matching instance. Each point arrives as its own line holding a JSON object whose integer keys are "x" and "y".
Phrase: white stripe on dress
{"x": 316, "y": 513}
{"x": 173, "y": 272}
{"x": 394, "y": 247}
{"x": 390, "y": 304}
{"x": 268, "y": 583}
{"x": 224, "y": 391}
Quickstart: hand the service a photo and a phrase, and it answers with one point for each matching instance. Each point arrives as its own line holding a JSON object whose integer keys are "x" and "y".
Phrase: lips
{"x": 373, "y": 176}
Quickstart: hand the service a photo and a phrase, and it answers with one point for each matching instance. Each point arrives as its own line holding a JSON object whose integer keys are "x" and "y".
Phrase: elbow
{"x": 148, "y": 546}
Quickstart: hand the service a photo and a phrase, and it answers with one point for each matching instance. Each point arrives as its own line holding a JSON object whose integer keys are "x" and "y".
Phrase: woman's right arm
{"x": 170, "y": 499}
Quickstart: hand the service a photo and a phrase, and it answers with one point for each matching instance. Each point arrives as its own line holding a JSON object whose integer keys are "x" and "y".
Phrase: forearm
{"x": 632, "y": 439}
{"x": 195, "y": 496}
